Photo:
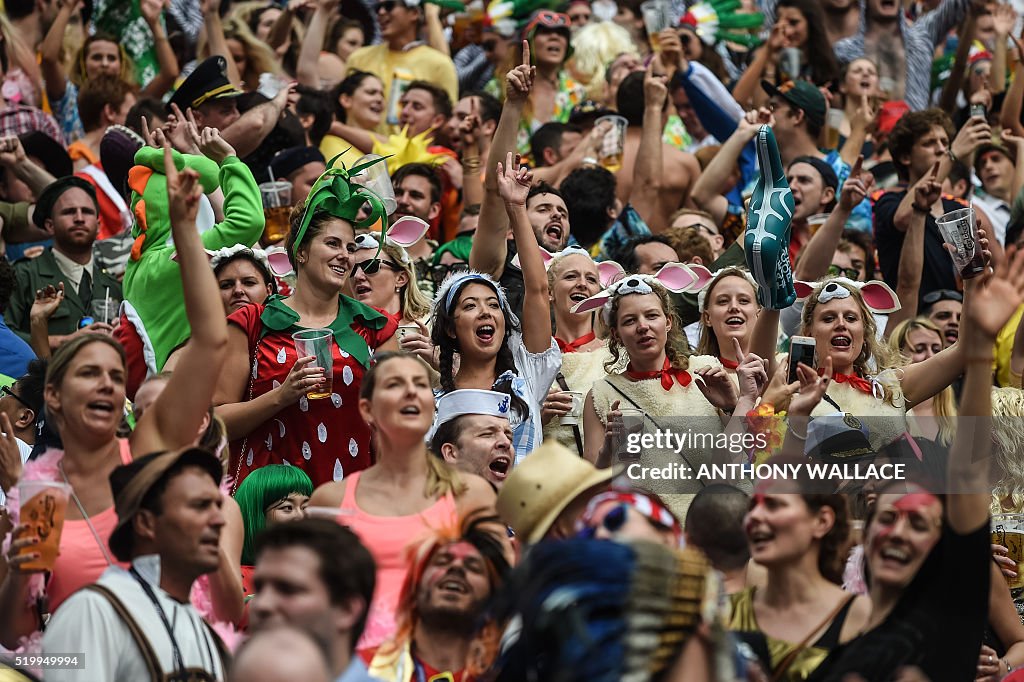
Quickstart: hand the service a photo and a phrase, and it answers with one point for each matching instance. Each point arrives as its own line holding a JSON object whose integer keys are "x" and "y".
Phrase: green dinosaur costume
{"x": 154, "y": 298}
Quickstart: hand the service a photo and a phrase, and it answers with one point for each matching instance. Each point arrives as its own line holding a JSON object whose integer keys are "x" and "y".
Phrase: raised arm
{"x": 181, "y": 408}
{"x": 169, "y": 68}
{"x": 216, "y": 43}
{"x": 647, "y": 172}
{"x": 707, "y": 191}
{"x": 306, "y": 72}
{"x": 49, "y": 52}
{"x": 435, "y": 29}
{"x": 817, "y": 254}
{"x": 13, "y": 157}
{"x": 995, "y": 299}
{"x": 248, "y": 132}
{"x": 489, "y": 248}
{"x": 951, "y": 88}
{"x": 1009, "y": 116}
{"x": 514, "y": 186}
{"x": 911, "y": 266}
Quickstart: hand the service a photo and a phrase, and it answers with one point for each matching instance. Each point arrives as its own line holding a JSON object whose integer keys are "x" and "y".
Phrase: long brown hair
{"x": 675, "y": 343}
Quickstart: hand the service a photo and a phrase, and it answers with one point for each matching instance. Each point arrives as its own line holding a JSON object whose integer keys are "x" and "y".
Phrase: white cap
{"x": 473, "y": 401}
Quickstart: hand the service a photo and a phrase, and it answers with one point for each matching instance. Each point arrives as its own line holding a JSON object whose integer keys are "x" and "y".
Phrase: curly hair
{"x": 873, "y": 349}
{"x": 1008, "y": 437}
{"x": 442, "y": 335}
{"x": 909, "y": 129}
{"x": 675, "y": 344}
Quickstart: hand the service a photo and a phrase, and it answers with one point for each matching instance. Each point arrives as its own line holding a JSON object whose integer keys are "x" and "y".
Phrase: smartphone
{"x": 801, "y": 349}
{"x": 978, "y": 111}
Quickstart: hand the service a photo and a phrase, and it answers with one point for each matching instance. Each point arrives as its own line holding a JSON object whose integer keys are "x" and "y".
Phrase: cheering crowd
{"x": 344, "y": 340}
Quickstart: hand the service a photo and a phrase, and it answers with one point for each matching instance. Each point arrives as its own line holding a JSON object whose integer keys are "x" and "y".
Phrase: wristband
{"x": 919, "y": 209}
{"x": 952, "y": 156}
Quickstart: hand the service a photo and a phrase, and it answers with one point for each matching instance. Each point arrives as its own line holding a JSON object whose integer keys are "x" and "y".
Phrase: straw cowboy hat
{"x": 543, "y": 485}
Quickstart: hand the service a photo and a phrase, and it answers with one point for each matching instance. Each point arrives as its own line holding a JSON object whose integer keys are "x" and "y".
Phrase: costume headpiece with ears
{"x": 335, "y": 193}
{"x": 404, "y": 233}
{"x": 709, "y": 279}
{"x": 878, "y": 297}
{"x": 608, "y": 270}
{"x": 675, "y": 277}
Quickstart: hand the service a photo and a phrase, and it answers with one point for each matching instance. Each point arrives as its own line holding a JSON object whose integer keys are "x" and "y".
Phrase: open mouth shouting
{"x": 485, "y": 333}
{"x": 500, "y": 467}
{"x": 363, "y": 290}
{"x": 841, "y": 341}
{"x": 411, "y": 410}
{"x": 759, "y": 538}
{"x": 554, "y": 231}
{"x": 101, "y": 408}
{"x": 735, "y": 321}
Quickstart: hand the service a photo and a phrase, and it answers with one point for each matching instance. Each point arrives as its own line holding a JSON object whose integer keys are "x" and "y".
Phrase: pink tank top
{"x": 387, "y": 538}
{"x": 81, "y": 560}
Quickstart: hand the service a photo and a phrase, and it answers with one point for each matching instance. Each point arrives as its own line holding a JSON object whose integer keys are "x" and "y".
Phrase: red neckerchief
{"x": 667, "y": 373}
{"x": 727, "y": 363}
{"x": 574, "y": 346}
{"x": 859, "y": 383}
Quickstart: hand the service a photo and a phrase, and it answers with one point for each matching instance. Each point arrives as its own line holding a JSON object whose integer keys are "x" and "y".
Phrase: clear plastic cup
{"x": 960, "y": 230}
{"x": 277, "y": 205}
{"x": 657, "y": 17}
{"x": 833, "y": 122}
{"x": 318, "y": 343}
{"x": 376, "y": 179}
{"x": 575, "y": 413}
{"x": 613, "y": 145}
{"x": 42, "y": 507}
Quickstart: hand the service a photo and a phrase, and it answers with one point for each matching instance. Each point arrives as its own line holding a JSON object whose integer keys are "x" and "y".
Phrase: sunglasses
{"x": 612, "y": 522}
{"x": 549, "y": 19}
{"x": 849, "y": 273}
{"x": 6, "y": 390}
{"x": 933, "y": 297}
{"x": 386, "y": 6}
{"x": 701, "y": 228}
{"x": 438, "y": 273}
{"x": 372, "y": 266}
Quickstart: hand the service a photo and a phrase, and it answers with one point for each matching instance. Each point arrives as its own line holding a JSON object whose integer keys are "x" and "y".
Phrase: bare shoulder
{"x": 478, "y": 494}
{"x": 328, "y": 495}
{"x": 856, "y": 619}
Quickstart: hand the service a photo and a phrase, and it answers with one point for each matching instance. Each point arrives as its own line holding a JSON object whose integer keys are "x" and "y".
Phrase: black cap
{"x": 287, "y": 161}
{"x": 53, "y": 192}
{"x": 587, "y": 112}
{"x": 827, "y": 173}
{"x": 802, "y": 95}
{"x": 50, "y": 152}
{"x": 208, "y": 81}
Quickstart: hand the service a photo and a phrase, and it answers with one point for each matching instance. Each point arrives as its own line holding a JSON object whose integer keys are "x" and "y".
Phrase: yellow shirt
{"x": 420, "y": 62}
{"x": 1004, "y": 348}
{"x": 332, "y": 145}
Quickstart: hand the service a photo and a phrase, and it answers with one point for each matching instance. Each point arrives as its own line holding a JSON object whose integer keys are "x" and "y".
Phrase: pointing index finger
{"x": 526, "y": 53}
{"x": 855, "y": 171}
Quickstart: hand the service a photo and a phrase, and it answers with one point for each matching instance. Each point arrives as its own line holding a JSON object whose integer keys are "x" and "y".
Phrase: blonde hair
{"x": 259, "y": 57}
{"x": 675, "y": 343}
{"x": 708, "y": 343}
{"x": 415, "y": 304}
{"x": 944, "y": 403}
{"x": 595, "y": 46}
{"x": 873, "y": 349}
{"x": 1008, "y": 437}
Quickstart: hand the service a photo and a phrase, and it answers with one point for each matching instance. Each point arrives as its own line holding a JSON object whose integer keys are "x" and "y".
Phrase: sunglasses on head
{"x": 549, "y": 19}
{"x": 849, "y": 273}
{"x": 933, "y": 297}
{"x": 372, "y": 266}
{"x": 6, "y": 390}
{"x": 701, "y": 228}
{"x": 439, "y": 272}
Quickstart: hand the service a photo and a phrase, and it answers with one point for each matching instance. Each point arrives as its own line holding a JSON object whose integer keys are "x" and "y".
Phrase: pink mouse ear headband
{"x": 878, "y": 297}
{"x": 608, "y": 270}
{"x": 403, "y": 233}
{"x": 675, "y": 277}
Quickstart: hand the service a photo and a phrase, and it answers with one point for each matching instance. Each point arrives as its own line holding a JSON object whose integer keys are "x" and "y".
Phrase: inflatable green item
{"x": 336, "y": 194}
{"x": 769, "y": 227}
{"x": 154, "y": 298}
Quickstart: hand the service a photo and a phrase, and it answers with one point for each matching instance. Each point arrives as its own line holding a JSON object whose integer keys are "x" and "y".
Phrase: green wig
{"x": 261, "y": 489}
